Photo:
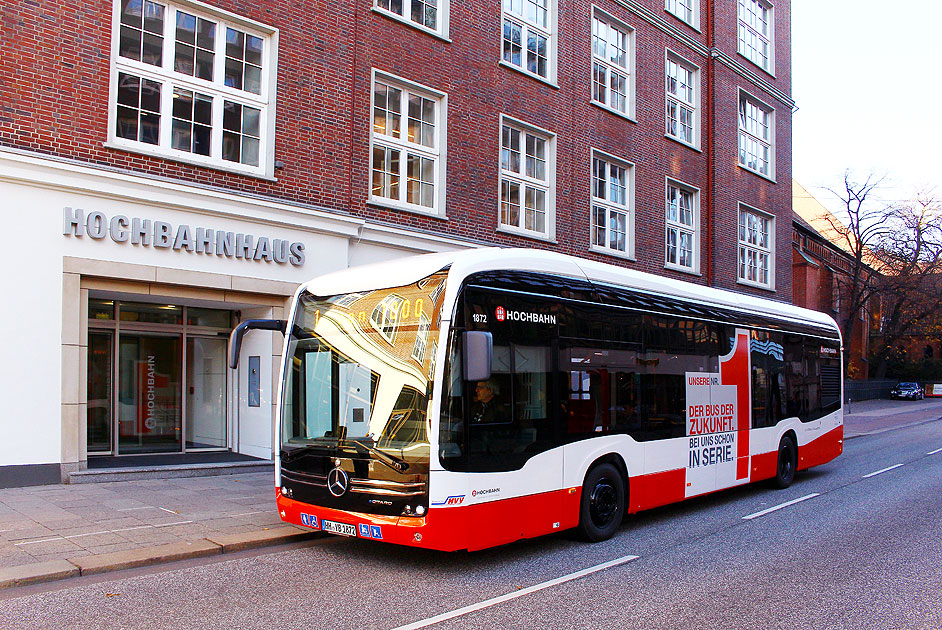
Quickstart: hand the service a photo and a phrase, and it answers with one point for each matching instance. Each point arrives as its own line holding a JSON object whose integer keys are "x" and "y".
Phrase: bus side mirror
{"x": 477, "y": 352}
{"x": 235, "y": 337}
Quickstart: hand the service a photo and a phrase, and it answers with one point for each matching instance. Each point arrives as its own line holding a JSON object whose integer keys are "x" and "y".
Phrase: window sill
{"x": 757, "y": 173}
{"x": 611, "y": 110}
{"x": 527, "y": 73}
{"x": 164, "y": 154}
{"x": 770, "y": 72}
{"x": 695, "y": 27}
{"x": 419, "y": 27}
{"x": 693, "y": 147}
{"x": 389, "y": 204}
{"x": 686, "y": 270}
{"x": 614, "y": 253}
{"x": 755, "y": 285}
{"x": 536, "y": 236}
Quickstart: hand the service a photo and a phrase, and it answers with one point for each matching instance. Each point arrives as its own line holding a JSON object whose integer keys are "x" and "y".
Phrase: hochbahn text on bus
{"x": 471, "y": 399}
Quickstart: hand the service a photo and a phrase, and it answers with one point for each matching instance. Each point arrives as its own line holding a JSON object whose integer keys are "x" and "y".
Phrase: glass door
{"x": 150, "y": 387}
{"x": 100, "y": 381}
{"x": 205, "y": 392}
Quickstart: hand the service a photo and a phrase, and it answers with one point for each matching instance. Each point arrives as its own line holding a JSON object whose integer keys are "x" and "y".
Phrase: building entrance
{"x": 157, "y": 378}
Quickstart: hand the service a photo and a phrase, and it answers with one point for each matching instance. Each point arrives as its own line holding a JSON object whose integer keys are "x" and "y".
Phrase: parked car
{"x": 909, "y": 391}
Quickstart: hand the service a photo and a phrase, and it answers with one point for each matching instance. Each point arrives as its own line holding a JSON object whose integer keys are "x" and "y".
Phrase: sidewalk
{"x": 59, "y": 531}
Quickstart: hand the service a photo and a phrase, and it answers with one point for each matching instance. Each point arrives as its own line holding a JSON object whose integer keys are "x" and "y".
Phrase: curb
{"x": 36, "y": 573}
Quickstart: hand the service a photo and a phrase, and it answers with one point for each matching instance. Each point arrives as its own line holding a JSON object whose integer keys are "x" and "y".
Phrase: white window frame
{"x": 525, "y": 182}
{"x": 691, "y": 17}
{"x": 750, "y": 35}
{"x": 676, "y": 99}
{"x": 612, "y": 207}
{"x": 405, "y": 147}
{"x": 749, "y": 242}
{"x": 755, "y": 133}
{"x": 420, "y": 346}
{"x": 388, "y": 313}
{"x": 677, "y": 226}
{"x": 441, "y": 29}
{"x": 514, "y": 11}
{"x": 610, "y": 68}
{"x": 220, "y": 93}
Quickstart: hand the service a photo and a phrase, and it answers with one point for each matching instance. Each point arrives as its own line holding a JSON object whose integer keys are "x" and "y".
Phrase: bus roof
{"x": 463, "y": 263}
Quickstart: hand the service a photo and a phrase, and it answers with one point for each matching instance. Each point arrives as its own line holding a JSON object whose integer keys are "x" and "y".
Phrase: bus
{"x": 465, "y": 400}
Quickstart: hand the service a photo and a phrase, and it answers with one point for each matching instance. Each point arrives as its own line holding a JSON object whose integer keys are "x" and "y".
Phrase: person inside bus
{"x": 485, "y": 407}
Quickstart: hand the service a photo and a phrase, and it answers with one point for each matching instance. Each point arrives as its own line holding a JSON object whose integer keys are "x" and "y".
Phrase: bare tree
{"x": 896, "y": 262}
{"x": 862, "y": 228}
{"x": 911, "y": 270}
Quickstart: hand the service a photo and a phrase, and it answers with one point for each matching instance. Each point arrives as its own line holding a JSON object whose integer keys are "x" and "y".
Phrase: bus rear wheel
{"x": 602, "y": 507}
{"x": 787, "y": 462}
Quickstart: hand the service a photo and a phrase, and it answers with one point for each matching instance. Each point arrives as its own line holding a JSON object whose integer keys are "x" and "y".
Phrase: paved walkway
{"x": 52, "y": 532}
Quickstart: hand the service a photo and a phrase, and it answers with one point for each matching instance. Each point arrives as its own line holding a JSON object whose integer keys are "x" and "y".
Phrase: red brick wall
{"x": 54, "y": 58}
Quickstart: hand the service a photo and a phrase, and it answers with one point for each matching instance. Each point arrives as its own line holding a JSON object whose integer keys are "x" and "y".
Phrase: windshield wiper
{"x": 335, "y": 445}
{"x": 399, "y": 465}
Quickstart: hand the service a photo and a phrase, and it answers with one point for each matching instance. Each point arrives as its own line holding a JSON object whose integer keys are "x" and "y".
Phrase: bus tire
{"x": 602, "y": 506}
{"x": 787, "y": 462}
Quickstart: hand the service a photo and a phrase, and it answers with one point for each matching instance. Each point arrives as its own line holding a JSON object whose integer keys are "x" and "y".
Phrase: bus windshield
{"x": 359, "y": 371}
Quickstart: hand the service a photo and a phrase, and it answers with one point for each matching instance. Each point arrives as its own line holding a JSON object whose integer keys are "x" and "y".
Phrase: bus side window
{"x": 768, "y": 378}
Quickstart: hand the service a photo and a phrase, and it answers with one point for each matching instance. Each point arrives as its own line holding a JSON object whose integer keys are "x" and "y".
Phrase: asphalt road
{"x": 860, "y": 550}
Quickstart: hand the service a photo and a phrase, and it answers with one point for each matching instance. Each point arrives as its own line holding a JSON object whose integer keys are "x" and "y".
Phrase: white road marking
{"x": 509, "y": 596}
{"x": 878, "y": 472}
{"x": 781, "y": 505}
{"x": 938, "y": 450}
{"x": 171, "y": 524}
{"x": 171, "y": 511}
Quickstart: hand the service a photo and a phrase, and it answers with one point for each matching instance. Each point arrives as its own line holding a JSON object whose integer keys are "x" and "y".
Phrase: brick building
{"x": 822, "y": 269}
{"x": 176, "y": 166}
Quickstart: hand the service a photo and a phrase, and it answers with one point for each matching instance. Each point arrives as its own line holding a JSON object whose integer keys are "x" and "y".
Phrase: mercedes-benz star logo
{"x": 337, "y": 482}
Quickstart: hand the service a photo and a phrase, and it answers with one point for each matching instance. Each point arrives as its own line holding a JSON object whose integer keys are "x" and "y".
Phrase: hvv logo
{"x": 455, "y": 500}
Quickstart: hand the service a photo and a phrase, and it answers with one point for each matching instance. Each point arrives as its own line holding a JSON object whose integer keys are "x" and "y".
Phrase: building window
{"x": 421, "y": 338}
{"x": 406, "y": 145}
{"x": 192, "y": 86}
{"x": 682, "y": 95}
{"x": 385, "y": 317}
{"x": 526, "y": 180}
{"x": 683, "y": 223}
{"x": 611, "y": 65}
{"x": 528, "y": 36}
{"x": 755, "y": 30}
{"x": 612, "y": 220}
{"x": 428, "y": 14}
{"x": 756, "y": 136}
{"x": 683, "y": 9}
{"x": 756, "y": 247}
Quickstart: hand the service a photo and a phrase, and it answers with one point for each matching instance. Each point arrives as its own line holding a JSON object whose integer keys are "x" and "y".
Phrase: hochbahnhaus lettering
{"x": 160, "y": 234}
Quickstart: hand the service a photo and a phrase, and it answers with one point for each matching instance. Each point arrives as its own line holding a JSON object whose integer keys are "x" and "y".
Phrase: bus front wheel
{"x": 787, "y": 462}
{"x": 602, "y": 506}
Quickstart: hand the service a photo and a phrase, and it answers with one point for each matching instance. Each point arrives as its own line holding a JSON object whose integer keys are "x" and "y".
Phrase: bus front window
{"x": 359, "y": 372}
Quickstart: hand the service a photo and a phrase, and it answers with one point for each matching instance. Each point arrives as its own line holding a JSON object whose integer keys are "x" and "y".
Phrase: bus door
{"x": 512, "y": 440}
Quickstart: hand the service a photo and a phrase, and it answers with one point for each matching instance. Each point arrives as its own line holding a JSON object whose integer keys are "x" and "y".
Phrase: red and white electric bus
{"x": 466, "y": 400}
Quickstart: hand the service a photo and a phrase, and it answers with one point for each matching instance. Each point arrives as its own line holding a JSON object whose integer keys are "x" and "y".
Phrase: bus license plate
{"x": 344, "y": 529}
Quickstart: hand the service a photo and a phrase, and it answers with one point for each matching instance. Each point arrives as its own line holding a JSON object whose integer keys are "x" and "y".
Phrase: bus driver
{"x": 484, "y": 409}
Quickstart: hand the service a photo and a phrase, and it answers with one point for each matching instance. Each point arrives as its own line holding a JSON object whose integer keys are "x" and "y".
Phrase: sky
{"x": 868, "y": 87}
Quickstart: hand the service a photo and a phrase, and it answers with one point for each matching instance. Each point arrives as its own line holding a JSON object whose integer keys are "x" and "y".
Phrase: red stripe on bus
{"x": 656, "y": 489}
{"x": 735, "y": 371}
{"x": 821, "y": 450}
